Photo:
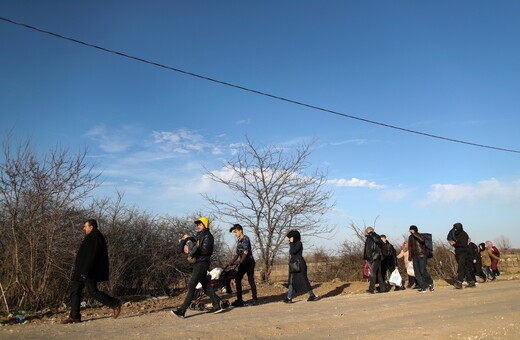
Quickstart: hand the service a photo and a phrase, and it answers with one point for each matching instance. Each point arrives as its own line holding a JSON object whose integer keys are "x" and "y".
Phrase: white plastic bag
{"x": 395, "y": 278}
{"x": 409, "y": 269}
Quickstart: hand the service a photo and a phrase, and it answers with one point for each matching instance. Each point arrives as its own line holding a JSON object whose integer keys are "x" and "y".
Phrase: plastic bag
{"x": 395, "y": 278}
{"x": 366, "y": 270}
{"x": 409, "y": 269}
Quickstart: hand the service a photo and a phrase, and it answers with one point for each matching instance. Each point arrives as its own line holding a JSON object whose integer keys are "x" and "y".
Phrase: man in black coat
{"x": 373, "y": 255}
{"x": 91, "y": 267}
{"x": 464, "y": 262}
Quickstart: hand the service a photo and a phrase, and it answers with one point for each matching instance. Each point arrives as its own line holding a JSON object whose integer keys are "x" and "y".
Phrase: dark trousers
{"x": 422, "y": 276}
{"x": 465, "y": 267}
{"x": 246, "y": 267}
{"x": 199, "y": 274}
{"x": 375, "y": 276}
{"x": 76, "y": 289}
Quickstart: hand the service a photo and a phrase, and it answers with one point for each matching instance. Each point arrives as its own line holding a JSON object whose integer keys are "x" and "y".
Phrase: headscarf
{"x": 489, "y": 244}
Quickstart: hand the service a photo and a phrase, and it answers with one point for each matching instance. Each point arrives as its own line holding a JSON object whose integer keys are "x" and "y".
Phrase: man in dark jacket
{"x": 91, "y": 267}
{"x": 418, "y": 253}
{"x": 464, "y": 262}
{"x": 202, "y": 254}
{"x": 372, "y": 254}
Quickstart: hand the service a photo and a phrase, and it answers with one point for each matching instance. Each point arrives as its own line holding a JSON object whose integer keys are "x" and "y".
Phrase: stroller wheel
{"x": 201, "y": 306}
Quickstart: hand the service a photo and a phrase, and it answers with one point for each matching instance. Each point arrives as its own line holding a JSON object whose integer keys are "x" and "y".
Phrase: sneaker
{"x": 431, "y": 287}
{"x": 471, "y": 284}
{"x": 287, "y": 300}
{"x": 237, "y": 303}
{"x": 371, "y": 291}
{"x": 421, "y": 290}
{"x": 178, "y": 314}
{"x": 458, "y": 285}
{"x": 313, "y": 298}
{"x": 70, "y": 320}
{"x": 215, "y": 310}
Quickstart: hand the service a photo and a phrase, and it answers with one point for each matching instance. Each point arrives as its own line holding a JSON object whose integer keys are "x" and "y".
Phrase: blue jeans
{"x": 489, "y": 272}
{"x": 422, "y": 276}
{"x": 290, "y": 292}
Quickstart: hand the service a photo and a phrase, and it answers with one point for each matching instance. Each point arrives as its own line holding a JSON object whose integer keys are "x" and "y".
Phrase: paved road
{"x": 490, "y": 311}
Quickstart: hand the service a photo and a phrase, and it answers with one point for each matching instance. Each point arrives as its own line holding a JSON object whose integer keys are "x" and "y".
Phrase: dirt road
{"x": 490, "y": 311}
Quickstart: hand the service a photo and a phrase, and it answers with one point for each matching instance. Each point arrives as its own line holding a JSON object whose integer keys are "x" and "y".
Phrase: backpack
{"x": 428, "y": 242}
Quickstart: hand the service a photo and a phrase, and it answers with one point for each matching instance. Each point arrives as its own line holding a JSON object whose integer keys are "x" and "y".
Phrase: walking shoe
{"x": 458, "y": 285}
{"x": 471, "y": 284}
{"x": 313, "y": 298}
{"x": 371, "y": 291}
{"x": 431, "y": 287}
{"x": 287, "y": 300}
{"x": 70, "y": 320}
{"x": 237, "y": 303}
{"x": 178, "y": 314}
{"x": 215, "y": 310}
{"x": 421, "y": 291}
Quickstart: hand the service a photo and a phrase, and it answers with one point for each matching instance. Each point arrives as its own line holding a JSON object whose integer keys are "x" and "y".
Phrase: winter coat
{"x": 462, "y": 241}
{"x": 495, "y": 258}
{"x": 389, "y": 254}
{"x": 487, "y": 256}
{"x": 416, "y": 246}
{"x": 92, "y": 259}
{"x": 372, "y": 250}
{"x": 299, "y": 280}
{"x": 204, "y": 249}
{"x": 474, "y": 254}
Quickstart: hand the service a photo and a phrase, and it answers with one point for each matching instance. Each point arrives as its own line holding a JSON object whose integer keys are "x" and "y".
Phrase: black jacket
{"x": 372, "y": 250}
{"x": 462, "y": 242}
{"x": 389, "y": 253}
{"x": 92, "y": 259}
{"x": 205, "y": 246}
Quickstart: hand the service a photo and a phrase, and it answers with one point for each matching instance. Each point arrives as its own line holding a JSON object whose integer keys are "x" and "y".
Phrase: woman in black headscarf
{"x": 298, "y": 280}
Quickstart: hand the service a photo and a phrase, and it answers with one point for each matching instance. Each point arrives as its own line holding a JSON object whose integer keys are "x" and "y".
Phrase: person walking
{"x": 487, "y": 255}
{"x": 418, "y": 254}
{"x": 476, "y": 261}
{"x": 90, "y": 268}
{"x": 408, "y": 265}
{"x": 246, "y": 265}
{"x": 389, "y": 262}
{"x": 201, "y": 253}
{"x": 373, "y": 254}
{"x": 494, "y": 260}
{"x": 464, "y": 262}
{"x": 298, "y": 280}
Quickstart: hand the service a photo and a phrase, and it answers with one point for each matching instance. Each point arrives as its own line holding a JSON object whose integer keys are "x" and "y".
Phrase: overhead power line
{"x": 256, "y": 91}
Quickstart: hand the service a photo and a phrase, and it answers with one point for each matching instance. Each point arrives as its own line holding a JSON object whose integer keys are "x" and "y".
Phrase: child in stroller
{"x": 219, "y": 278}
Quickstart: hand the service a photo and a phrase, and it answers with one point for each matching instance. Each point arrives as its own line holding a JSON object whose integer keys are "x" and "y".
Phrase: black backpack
{"x": 428, "y": 242}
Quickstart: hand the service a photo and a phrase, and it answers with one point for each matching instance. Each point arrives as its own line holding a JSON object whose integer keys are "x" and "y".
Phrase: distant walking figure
{"x": 418, "y": 253}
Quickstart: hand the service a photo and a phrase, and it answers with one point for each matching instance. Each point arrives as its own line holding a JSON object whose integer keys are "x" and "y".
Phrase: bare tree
{"x": 40, "y": 202}
{"x": 273, "y": 193}
{"x": 503, "y": 243}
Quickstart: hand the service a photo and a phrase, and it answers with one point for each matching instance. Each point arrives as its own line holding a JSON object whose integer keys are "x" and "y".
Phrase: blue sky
{"x": 445, "y": 68}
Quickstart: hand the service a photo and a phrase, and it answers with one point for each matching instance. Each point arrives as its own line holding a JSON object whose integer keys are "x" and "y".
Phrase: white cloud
{"x": 243, "y": 122}
{"x": 395, "y": 195}
{"x": 487, "y": 189}
{"x": 180, "y": 141}
{"x": 355, "y": 183}
{"x": 113, "y": 140}
{"x": 353, "y": 141}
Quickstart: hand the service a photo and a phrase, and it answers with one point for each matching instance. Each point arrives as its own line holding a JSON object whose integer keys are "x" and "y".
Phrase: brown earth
{"x": 492, "y": 310}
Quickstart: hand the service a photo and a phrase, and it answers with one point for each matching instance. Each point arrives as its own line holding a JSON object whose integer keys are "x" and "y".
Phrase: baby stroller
{"x": 218, "y": 278}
